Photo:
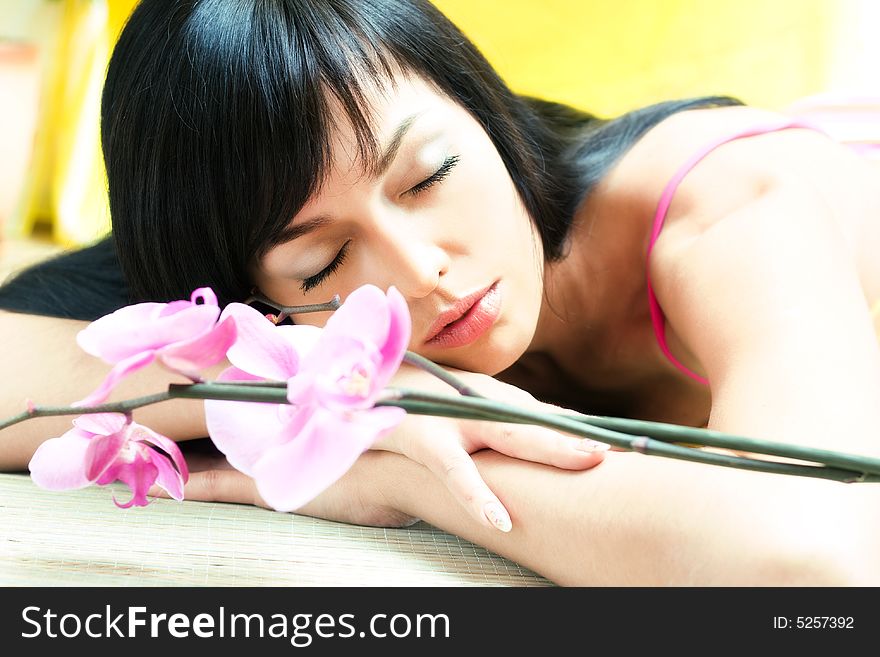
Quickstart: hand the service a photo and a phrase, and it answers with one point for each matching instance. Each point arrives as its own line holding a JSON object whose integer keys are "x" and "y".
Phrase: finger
{"x": 534, "y": 442}
{"x": 218, "y": 485}
{"x": 538, "y": 444}
{"x": 457, "y": 470}
{"x": 196, "y": 462}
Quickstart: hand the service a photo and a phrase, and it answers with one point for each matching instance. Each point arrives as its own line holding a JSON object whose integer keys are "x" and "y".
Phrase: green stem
{"x": 854, "y": 468}
{"x": 432, "y": 368}
{"x": 113, "y": 407}
{"x": 651, "y": 438}
{"x": 246, "y": 391}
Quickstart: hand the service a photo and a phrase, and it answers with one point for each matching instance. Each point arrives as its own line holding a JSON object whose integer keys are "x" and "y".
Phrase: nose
{"x": 415, "y": 262}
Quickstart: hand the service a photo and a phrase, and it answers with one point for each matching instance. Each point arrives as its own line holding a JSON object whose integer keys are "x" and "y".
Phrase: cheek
{"x": 486, "y": 203}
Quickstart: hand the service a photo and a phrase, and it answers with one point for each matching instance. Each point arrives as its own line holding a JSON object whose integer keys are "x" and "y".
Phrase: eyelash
{"x": 447, "y": 166}
{"x": 312, "y": 282}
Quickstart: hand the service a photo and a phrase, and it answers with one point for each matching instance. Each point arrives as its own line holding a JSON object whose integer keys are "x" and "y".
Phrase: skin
{"x": 764, "y": 273}
{"x": 450, "y": 240}
{"x": 795, "y": 209}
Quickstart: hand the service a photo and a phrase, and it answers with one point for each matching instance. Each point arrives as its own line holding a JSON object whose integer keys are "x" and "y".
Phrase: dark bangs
{"x": 216, "y": 130}
{"x": 216, "y": 122}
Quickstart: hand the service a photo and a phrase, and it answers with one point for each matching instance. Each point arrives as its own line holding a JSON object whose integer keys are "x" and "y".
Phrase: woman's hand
{"x": 444, "y": 445}
{"x": 357, "y": 498}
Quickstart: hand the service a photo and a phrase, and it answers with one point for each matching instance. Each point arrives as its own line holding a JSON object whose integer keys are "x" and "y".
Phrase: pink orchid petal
{"x": 399, "y": 333}
{"x": 243, "y": 431}
{"x": 235, "y": 374}
{"x": 138, "y": 475}
{"x": 336, "y": 382}
{"x": 206, "y": 294}
{"x": 110, "y": 474}
{"x": 173, "y": 307}
{"x": 59, "y": 463}
{"x": 102, "y": 452}
{"x": 168, "y": 477}
{"x": 365, "y": 309}
{"x": 260, "y": 348}
{"x": 103, "y": 337}
{"x": 303, "y": 337}
{"x": 293, "y": 419}
{"x": 190, "y": 320}
{"x": 364, "y": 315}
{"x": 338, "y": 388}
{"x": 294, "y": 473}
{"x": 171, "y": 448}
{"x": 302, "y": 389}
{"x": 119, "y": 372}
{"x": 342, "y": 352}
{"x": 201, "y": 351}
{"x": 337, "y": 354}
{"x": 143, "y": 327}
{"x": 101, "y": 423}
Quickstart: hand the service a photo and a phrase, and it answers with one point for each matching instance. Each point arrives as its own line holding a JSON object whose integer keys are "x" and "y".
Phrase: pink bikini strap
{"x": 658, "y": 320}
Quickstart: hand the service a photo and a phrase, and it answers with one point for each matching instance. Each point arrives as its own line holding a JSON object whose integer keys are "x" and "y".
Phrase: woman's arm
{"x": 643, "y": 521}
{"x": 41, "y": 361}
{"x": 634, "y": 520}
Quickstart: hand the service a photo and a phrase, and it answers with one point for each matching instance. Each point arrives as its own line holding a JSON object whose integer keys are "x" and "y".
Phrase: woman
{"x": 307, "y": 147}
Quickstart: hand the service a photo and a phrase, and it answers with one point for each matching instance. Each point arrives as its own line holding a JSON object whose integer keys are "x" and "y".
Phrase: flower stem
{"x": 635, "y": 437}
{"x": 286, "y": 311}
{"x": 244, "y": 391}
{"x": 641, "y": 436}
{"x": 432, "y": 368}
{"x": 124, "y": 407}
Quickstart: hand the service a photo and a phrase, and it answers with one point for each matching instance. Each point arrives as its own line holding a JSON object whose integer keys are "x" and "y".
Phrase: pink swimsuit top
{"x": 658, "y": 320}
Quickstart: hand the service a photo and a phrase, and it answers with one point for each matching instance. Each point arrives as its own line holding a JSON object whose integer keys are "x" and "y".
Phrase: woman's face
{"x": 442, "y": 221}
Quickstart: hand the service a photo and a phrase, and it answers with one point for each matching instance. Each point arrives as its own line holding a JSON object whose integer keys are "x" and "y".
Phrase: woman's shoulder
{"x": 710, "y": 162}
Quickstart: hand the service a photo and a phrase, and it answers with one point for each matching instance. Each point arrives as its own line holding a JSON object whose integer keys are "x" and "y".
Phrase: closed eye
{"x": 447, "y": 166}
{"x": 314, "y": 281}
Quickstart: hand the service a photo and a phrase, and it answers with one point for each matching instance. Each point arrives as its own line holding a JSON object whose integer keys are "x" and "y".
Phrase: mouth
{"x": 467, "y": 320}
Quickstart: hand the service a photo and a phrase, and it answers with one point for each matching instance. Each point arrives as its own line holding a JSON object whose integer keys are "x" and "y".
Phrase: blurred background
{"x": 606, "y": 56}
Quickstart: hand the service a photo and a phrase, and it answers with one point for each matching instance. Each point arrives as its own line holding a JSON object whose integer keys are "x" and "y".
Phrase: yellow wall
{"x": 609, "y": 56}
{"x": 66, "y": 188}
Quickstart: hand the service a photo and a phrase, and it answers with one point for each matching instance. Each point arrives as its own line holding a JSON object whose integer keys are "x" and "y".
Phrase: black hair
{"x": 216, "y": 125}
{"x": 85, "y": 283}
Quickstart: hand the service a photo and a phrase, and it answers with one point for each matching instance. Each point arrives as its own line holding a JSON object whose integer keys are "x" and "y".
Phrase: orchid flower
{"x": 334, "y": 376}
{"x": 107, "y": 447}
{"x": 183, "y": 336}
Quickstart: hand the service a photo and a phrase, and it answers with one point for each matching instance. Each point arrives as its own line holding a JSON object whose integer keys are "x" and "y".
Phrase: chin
{"x": 495, "y": 353}
{"x": 492, "y": 363}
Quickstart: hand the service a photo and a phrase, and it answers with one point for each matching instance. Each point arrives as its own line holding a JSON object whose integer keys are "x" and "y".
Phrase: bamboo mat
{"x": 79, "y": 538}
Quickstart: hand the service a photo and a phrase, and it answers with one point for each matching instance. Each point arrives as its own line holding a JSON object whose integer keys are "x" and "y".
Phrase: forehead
{"x": 388, "y": 104}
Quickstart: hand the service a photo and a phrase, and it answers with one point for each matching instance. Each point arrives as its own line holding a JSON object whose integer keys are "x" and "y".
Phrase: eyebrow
{"x": 291, "y": 232}
{"x": 385, "y": 160}
{"x": 378, "y": 168}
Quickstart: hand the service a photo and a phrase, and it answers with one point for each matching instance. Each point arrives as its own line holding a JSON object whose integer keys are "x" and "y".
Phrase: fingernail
{"x": 496, "y": 514}
{"x": 585, "y": 445}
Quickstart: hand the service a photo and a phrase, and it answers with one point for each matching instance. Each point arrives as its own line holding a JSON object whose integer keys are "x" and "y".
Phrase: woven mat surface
{"x": 79, "y": 538}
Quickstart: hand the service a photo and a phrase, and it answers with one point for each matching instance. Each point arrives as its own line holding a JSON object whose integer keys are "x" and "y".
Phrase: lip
{"x": 467, "y": 320}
